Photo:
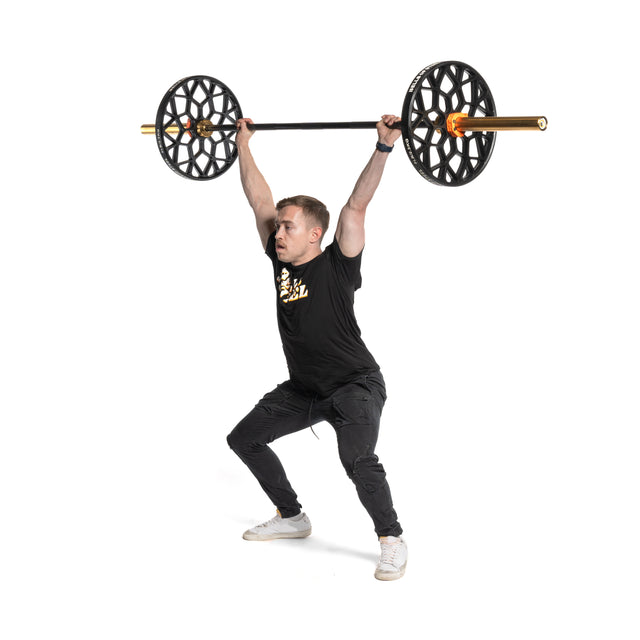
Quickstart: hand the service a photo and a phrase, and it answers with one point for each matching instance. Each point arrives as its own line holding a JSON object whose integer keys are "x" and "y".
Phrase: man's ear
{"x": 316, "y": 234}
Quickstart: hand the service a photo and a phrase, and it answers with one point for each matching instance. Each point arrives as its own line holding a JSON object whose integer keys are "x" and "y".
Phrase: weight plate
{"x": 186, "y": 148}
{"x": 437, "y": 91}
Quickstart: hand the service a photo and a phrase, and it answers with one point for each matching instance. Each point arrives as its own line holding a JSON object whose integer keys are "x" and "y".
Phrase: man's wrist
{"x": 381, "y": 146}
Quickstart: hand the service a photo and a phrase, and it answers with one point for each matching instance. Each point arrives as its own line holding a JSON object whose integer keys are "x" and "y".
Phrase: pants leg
{"x": 356, "y": 420}
{"x": 279, "y": 413}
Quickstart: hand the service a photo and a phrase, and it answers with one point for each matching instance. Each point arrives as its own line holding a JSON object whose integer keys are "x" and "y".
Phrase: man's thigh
{"x": 356, "y": 410}
{"x": 280, "y": 412}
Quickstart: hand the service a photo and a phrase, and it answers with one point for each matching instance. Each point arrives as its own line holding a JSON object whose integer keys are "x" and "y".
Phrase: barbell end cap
{"x": 542, "y": 123}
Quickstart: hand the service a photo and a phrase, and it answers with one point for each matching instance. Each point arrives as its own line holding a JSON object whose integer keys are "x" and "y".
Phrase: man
{"x": 333, "y": 377}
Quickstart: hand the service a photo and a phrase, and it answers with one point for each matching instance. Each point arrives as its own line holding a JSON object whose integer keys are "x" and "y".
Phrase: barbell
{"x": 448, "y": 125}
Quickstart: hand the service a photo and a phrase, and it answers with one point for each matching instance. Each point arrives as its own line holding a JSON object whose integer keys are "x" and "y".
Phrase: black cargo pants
{"x": 354, "y": 412}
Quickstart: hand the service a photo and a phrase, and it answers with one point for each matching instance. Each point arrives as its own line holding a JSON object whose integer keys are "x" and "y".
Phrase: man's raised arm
{"x": 350, "y": 230}
{"x": 255, "y": 186}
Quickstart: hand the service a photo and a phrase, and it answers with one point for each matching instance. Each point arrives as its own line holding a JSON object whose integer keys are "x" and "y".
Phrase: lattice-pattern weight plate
{"x": 437, "y": 91}
{"x": 185, "y": 145}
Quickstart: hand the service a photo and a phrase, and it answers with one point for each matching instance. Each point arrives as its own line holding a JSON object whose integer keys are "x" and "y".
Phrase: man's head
{"x": 301, "y": 222}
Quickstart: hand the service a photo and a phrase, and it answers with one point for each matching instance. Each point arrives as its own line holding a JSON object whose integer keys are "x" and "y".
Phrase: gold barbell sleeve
{"x": 150, "y": 129}
{"x": 495, "y": 123}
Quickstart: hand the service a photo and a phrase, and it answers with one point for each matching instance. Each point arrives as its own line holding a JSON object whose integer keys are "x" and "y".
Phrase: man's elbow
{"x": 356, "y": 208}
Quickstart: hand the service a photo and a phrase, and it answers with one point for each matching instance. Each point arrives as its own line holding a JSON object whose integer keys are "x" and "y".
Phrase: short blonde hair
{"x": 313, "y": 209}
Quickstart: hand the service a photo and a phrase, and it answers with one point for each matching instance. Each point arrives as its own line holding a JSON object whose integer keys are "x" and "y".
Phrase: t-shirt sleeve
{"x": 347, "y": 269}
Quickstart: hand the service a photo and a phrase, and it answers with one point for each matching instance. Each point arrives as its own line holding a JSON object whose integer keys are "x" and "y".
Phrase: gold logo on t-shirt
{"x": 291, "y": 291}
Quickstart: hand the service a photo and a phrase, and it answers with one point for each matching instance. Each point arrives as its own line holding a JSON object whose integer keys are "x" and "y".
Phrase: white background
{"x": 137, "y": 327}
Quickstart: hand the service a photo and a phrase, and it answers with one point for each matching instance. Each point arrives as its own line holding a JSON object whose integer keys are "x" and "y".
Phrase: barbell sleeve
{"x": 150, "y": 129}
{"x": 496, "y": 123}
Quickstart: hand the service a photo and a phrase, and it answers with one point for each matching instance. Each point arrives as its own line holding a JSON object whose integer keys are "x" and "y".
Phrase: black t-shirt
{"x": 320, "y": 335}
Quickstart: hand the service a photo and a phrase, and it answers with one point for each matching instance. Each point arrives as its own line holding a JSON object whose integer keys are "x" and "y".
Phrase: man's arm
{"x": 350, "y": 230}
{"x": 255, "y": 186}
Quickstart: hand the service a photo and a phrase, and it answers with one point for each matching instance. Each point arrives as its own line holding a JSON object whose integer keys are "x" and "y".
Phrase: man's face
{"x": 296, "y": 242}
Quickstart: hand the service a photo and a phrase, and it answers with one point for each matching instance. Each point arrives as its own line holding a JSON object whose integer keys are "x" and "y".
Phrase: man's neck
{"x": 308, "y": 257}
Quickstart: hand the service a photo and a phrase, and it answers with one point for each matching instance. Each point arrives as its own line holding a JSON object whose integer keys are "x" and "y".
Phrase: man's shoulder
{"x": 344, "y": 268}
{"x": 335, "y": 250}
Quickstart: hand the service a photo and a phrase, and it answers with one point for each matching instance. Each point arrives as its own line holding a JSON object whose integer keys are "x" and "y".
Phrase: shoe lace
{"x": 268, "y": 523}
{"x": 389, "y": 552}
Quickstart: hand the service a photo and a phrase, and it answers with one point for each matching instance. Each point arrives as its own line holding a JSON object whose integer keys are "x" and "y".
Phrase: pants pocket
{"x": 356, "y": 408}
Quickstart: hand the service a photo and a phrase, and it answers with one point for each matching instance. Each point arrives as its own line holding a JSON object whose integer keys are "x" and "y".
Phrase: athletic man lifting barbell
{"x": 333, "y": 376}
{"x": 448, "y": 130}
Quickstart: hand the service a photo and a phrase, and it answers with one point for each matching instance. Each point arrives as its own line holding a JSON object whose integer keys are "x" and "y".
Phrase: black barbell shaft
{"x": 279, "y": 126}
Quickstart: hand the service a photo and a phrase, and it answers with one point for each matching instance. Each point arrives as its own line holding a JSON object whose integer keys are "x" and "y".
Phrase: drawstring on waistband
{"x": 313, "y": 399}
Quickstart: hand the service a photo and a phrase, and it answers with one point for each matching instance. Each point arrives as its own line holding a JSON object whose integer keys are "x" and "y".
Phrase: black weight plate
{"x": 189, "y": 101}
{"x": 437, "y": 91}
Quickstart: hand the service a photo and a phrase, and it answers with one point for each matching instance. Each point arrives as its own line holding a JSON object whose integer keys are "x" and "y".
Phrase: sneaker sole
{"x": 256, "y": 537}
{"x": 388, "y": 575}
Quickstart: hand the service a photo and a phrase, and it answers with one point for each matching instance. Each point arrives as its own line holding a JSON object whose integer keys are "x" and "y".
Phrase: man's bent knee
{"x": 368, "y": 472}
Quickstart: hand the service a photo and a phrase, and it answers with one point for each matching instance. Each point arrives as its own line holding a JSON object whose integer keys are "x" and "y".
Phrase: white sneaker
{"x": 297, "y": 527}
{"x": 393, "y": 558}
